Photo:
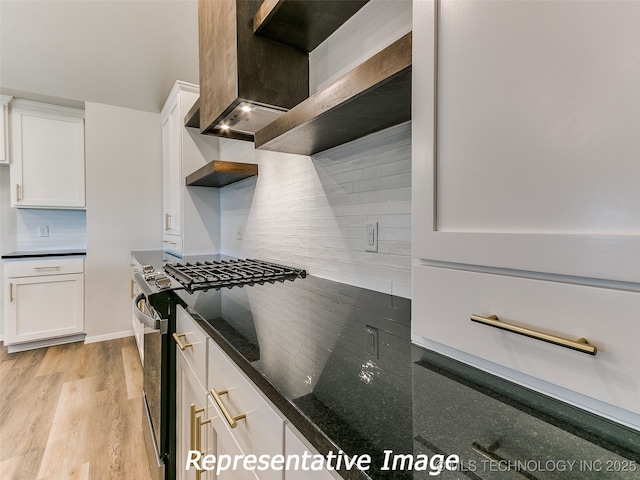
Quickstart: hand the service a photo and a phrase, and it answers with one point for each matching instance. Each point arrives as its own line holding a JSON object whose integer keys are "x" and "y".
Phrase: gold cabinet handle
{"x": 10, "y": 292}
{"x": 198, "y": 427}
{"x": 166, "y": 222}
{"x": 192, "y": 430}
{"x": 581, "y": 345}
{"x": 177, "y": 336}
{"x": 231, "y": 419}
{"x": 133, "y": 293}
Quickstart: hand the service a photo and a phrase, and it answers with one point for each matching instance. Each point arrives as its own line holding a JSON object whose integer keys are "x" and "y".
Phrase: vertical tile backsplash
{"x": 66, "y": 229}
{"x": 312, "y": 212}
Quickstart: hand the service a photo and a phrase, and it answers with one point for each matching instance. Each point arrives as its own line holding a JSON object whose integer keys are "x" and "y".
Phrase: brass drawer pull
{"x": 581, "y": 345}
{"x": 198, "y": 435}
{"x": 10, "y": 292}
{"x": 176, "y": 337}
{"x": 166, "y": 222}
{"x": 192, "y": 429}
{"x": 231, "y": 419}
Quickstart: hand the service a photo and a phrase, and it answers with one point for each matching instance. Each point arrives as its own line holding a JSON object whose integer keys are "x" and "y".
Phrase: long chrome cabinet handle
{"x": 166, "y": 222}
{"x": 17, "y": 192}
{"x": 231, "y": 419}
{"x": 177, "y": 336}
{"x": 581, "y": 345}
{"x": 52, "y": 267}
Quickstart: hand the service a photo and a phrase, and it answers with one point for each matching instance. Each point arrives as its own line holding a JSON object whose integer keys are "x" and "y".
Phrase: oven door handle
{"x": 154, "y": 320}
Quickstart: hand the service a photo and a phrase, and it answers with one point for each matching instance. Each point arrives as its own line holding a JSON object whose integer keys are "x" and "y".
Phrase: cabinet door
{"x": 295, "y": 445}
{"x": 173, "y": 180}
{"x": 533, "y": 161}
{"x": 43, "y": 307}
{"x": 48, "y": 156}
{"x": 191, "y": 401}
{"x": 4, "y": 128}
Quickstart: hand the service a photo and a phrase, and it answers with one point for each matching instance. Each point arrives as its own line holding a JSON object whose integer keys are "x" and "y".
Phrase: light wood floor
{"x": 72, "y": 412}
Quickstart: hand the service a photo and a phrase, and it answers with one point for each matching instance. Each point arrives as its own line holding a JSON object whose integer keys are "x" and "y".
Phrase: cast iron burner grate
{"x": 219, "y": 274}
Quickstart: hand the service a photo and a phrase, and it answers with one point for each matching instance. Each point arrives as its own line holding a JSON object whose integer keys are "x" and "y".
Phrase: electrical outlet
{"x": 239, "y": 232}
{"x": 372, "y": 342}
{"x": 43, "y": 230}
{"x": 372, "y": 237}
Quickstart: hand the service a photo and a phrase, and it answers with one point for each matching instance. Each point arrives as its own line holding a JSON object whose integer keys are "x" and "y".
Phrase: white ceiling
{"x": 117, "y": 52}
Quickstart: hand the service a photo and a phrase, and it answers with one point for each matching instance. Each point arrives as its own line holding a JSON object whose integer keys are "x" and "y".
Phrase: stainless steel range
{"x": 155, "y": 307}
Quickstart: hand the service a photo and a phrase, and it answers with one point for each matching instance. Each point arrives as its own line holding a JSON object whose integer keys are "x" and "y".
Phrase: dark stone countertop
{"x": 44, "y": 253}
{"x": 309, "y": 345}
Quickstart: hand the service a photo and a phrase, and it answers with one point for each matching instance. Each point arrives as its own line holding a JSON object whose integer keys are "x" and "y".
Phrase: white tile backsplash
{"x": 311, "y": 212}
{"x": 67, "y": 229}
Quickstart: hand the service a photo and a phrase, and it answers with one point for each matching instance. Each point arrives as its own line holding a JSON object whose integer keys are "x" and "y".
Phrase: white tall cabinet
{"x": 4, "y": 129}
{"x": 191, "y": 216}
{"x": 526, "y": 192}
{"x": 47, "y": 156}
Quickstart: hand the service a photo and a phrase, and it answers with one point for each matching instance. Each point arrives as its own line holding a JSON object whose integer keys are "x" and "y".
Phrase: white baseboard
{"x": 108, "y": 336}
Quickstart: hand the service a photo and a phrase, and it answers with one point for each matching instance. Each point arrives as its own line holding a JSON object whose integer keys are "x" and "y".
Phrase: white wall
{"x": 126, "y": 53}
{"x": 124, "y": 210}
{"x": 311, "y": 212}
{"x": 66, "y": 229}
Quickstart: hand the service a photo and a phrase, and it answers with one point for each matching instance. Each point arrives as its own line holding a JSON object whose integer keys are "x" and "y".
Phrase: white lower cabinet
{"x": 230, "y": 420}
{"x": 296, "y": 444}
{"x": 260, "y": 430}
{"x": 43, "y": 301}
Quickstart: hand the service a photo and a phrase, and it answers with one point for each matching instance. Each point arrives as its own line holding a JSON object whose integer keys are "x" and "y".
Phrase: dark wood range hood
{"x": 254, "y": 77}
{"x": 246, "y": 81}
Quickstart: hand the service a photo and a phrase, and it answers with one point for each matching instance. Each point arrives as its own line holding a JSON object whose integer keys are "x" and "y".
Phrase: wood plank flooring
{"x": 72, "y": 412}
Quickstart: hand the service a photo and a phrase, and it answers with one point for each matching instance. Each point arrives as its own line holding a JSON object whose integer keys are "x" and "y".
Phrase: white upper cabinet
{"x": 526, "y": 194}
{"x": 47, "y": 156}
{"x": 4, "y": 128}
{"x": 533, "y": 160}
{"x": 190, "y": 220}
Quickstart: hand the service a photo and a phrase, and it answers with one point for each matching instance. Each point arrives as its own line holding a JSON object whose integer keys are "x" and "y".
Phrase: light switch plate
{"x": 43, "y": 230}
{"x": 372, "y": 237}
{"x": 239, "y": 232}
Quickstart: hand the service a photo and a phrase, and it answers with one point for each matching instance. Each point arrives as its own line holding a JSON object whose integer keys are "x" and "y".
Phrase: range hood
{"x": 246, "y": 81}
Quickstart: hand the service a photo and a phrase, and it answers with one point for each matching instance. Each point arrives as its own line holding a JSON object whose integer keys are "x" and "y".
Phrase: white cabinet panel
{"x": 43, "y": 299}
{"x": 191, "y": 214}
{"x": 47, "y": 152}
{"x": 295, "y": 444}
{"x": 535, "y": 160}
{"x": 261, "y": 432}
{"x": 448, "y": 297}
{"x": 4, "y": 128}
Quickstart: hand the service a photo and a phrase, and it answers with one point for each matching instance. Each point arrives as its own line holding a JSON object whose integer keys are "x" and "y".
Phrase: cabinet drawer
{"x": 444, "y": 300}
{"x": 191, "y": 336}
{"x": 262, "y": 430}
{"x": 43, "y": 266}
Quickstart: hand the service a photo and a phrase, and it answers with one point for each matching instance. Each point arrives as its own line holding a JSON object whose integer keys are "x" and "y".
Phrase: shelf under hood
{"x": 373, "y": 96}
{"x": 219, "y": 173}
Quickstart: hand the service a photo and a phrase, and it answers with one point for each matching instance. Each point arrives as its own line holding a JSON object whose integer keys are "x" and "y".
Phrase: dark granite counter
{"x": 337, "y": 360}
{"x": 44, "y": 253}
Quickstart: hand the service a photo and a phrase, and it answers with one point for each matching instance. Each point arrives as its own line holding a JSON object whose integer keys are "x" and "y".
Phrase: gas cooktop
{"x": 219, "y": 274}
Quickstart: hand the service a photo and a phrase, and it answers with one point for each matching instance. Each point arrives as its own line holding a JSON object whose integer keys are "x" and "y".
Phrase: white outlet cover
{"x": 372, "y": 237}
